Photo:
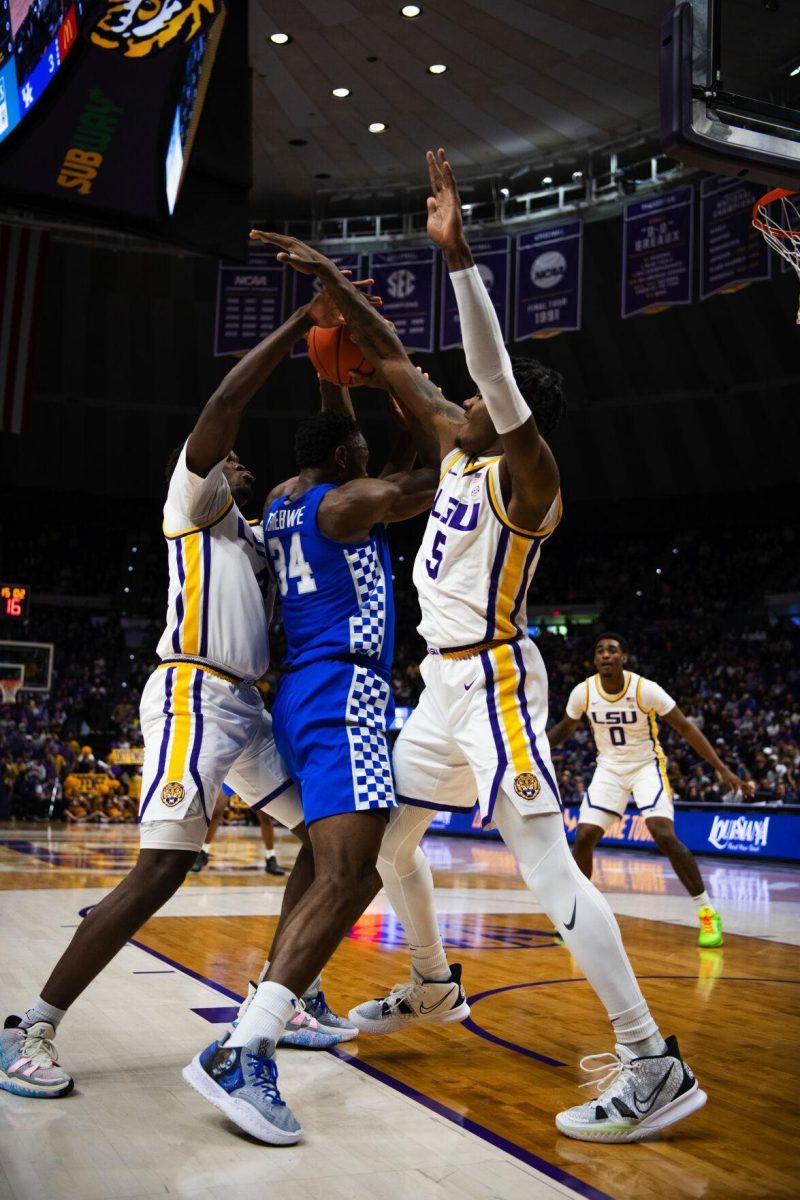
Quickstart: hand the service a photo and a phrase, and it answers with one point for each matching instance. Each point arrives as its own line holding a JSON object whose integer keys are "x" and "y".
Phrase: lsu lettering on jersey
{"x": 474, "y": 567}
{"x": 220, "y": 589}
{"x": 630, "y": 760}
{"x": 334, "y": 703}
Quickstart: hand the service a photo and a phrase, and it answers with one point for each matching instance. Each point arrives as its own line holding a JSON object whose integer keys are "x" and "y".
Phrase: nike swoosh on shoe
{"x": 645, "y": 1106}
{"x": 433, "y": 1007}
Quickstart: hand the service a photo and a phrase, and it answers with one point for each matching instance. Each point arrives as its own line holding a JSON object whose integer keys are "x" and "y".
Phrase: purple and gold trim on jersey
{"x": 510, "y": 720}
{"x": 182, "y": 533}
{"x": 181, "y": 739}
{"x": 449, "y": 461}
{"x": 499, "y": 510}
{"x": 192, "y": 602}
{"x": 660, "y": 757}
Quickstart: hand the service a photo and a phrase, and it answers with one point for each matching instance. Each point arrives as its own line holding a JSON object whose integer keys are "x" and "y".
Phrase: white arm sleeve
{"x": 653, "y": 696}
{"x": 192, "y": 499}
{"x": 576, "y": 705}
{"x": 487, "y": 358}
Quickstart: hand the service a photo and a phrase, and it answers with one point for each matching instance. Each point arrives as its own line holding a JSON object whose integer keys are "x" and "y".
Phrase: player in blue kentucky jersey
{"x": 325, "y": 535}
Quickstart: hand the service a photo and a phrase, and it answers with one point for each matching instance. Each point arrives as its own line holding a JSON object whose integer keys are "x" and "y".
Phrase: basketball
{"x": 334, "y": 355}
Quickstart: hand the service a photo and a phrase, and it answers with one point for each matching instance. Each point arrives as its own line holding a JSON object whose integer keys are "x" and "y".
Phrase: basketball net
{"x": 777, "y": 216}
{"x": 9, "y": 689}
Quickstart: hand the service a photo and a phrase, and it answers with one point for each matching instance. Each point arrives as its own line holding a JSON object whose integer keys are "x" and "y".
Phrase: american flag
{"x": 22, "y": 261}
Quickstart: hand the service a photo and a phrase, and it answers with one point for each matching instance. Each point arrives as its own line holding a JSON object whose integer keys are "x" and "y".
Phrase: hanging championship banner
{"x": 305, "y": 287}
{"x": 657, "y": 252}
{"x": 249, "y": 305}
{"x": 549, "y": 281}
{"x": 406, "y": 280}
{"x": 732, "y": 252}
{"x": 492, "y": 260}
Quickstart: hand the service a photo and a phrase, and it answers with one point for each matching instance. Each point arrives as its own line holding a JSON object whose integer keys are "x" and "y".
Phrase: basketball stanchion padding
{"x": 777, "y": 216}
{"x": 334, "y": 355}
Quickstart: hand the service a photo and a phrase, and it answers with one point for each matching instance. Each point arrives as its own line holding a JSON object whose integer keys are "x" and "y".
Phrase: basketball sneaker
{"x": 272, "y": 866}
{"x": 200, "y": 862}
{"x": 242, "y": 1082}
{"x": 710, "y": 934}
{"x": 420, "y": 1000}
{"x": 317, "y": 1006}
{"x": 29, "y": 1063}
{"x": 639, "y": 1096}
{"x": 303, "y": 1030}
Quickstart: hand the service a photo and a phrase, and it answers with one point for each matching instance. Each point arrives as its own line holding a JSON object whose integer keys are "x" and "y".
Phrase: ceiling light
{"x": 340, "y": 93}
{"x": 377, "y": 127}
{"x": 796, "y": 70}
{"x": 279, "y": 39}
{"x": 409, "y": 11}
{"x": 505, "y": 193}
{"x": 576, "y": 176}
{"x": 437, "y": 69}
{"x": 547, "y": 179}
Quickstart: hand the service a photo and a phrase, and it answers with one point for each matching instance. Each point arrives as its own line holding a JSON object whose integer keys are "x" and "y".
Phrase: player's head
{"x": 543, "y": 392}
{"x": 333, "y": 444}
{"x": 240, "y": 479}
{"x": 610, "y": 654}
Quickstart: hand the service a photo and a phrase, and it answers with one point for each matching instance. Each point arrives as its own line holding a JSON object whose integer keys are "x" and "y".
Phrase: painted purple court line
{"x": 166, "y": 971}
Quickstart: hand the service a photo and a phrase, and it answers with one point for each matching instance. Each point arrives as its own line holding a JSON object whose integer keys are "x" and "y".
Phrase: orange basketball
{"x": 334, "y": 355}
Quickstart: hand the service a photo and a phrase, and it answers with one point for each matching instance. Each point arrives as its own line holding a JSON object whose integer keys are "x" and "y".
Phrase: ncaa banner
{"x": 657, "y": 235}
{"x": 549, "y": 281}
{"x": 732, "y": 252}
{"x": 492, "y": 256}
{"x": 249, "y": 305}
{"x": 305, "y": 287}
{"x": 406, "y": 279}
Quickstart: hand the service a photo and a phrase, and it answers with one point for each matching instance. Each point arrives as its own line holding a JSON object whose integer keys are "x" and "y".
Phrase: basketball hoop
{"x": 777, "y": 216}
{"x": 9, "y": 689}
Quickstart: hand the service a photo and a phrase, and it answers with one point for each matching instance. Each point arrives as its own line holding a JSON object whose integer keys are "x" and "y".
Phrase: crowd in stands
{"x": 692, "y": 609}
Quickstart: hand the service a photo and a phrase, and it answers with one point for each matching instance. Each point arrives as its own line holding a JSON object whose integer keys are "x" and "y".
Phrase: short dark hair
{"x": 317, "y": 437}
{"x": 172, "y": 462}
{"x": 543, "y": 390}
{"x": 610, "y": 636}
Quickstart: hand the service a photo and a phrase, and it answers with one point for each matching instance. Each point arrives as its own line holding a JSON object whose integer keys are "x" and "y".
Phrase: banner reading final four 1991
{"x": 549, "y": 281}
{"x": 491, "y": 257}
{"x": 305, "y": 287}
{"x": 732, "y": 252}
{"x": 657, "y": 252}
{"x": 406, "y": 280}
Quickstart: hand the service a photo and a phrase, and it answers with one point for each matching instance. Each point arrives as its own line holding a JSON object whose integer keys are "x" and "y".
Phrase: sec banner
{"x": 249, "y": 305}
{"x": 657, "y": 252}
{"x": 492, "y": 260}
{"x": 549, "y": 281}
{"x": 733, "y": 253}
{"x": 305, "y": 287}
{"x": 406, "y": 280}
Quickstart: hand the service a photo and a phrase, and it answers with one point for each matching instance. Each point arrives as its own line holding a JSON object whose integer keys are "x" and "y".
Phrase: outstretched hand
{"x": 445, "y": 226}
{"x": 322, "y": 310}
{"x": 296, "y": 254}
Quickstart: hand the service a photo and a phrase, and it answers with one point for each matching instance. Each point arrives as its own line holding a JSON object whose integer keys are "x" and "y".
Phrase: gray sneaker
{"x": 639, "y": 1097}
{"x": 419, "y": 1001}
{"x": 317, "y": 1006}
{"x": 29, "y": 1064}
{"x": 242, "y": 1082}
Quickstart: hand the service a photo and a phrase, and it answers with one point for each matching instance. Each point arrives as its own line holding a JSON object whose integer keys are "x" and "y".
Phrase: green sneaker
{"x": 710, "y": 934}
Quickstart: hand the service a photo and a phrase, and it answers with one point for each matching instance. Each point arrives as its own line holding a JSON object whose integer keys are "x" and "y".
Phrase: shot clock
{"x": 15, "y": 601}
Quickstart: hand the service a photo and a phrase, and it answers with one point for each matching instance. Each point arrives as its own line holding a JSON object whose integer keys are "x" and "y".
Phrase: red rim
{"x": 767, "y": 199}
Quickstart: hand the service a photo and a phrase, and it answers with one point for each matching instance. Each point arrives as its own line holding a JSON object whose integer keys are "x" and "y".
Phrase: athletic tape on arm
{"x": 487, "y": 358}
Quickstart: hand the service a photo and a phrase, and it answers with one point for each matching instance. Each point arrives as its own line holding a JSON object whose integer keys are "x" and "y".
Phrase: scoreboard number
{"x": 14, "y": 602}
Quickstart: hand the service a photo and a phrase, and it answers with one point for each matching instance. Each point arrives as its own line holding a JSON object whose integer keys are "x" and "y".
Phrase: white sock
{"x": 431, "y": 962}
{"x": 207, "y": 847}
{"x": 637, "y": 1030}
{"x": 702, "y": 901}
{"x": 268, "y": 854}
{"x": 40, "y": 1010}
{"x": 266, "y": 1016}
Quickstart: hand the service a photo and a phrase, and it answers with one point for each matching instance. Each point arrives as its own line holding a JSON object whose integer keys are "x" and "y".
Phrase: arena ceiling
{"x": 534, "y": 81}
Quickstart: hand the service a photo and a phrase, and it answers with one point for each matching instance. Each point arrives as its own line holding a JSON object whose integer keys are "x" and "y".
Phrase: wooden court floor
{"x": 504, "y": 1074}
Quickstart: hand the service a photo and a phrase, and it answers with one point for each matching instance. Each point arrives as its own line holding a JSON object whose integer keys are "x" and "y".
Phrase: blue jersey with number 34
{"x": 336, "y": 600}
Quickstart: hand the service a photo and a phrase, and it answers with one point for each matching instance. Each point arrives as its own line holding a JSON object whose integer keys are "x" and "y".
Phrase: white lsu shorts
{"x": 608, "y": 793}
{"x": 479, "y": 728}
{"x": 201, "y": 728}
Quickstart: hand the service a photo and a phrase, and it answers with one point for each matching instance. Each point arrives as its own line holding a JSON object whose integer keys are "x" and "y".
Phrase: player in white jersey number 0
{"x": 622, "y": 710}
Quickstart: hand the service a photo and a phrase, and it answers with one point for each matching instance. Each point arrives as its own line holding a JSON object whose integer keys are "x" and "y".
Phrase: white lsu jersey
{"x": 624, "y": 726}
{"x": 220, "y": 589}
{"x": 474, "y": 566}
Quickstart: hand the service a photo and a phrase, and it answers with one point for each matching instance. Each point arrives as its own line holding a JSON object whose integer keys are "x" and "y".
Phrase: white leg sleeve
{"x": 539, "y": 845}
{"x": 408, "y": 881}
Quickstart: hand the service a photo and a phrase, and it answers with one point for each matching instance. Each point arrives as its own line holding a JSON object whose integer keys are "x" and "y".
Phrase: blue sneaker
{"x": 317, "y": 1006}
{"x": 242, "y": 1082}
{"x": 28, "y": 1062}
{"x": 307, "y": 1033}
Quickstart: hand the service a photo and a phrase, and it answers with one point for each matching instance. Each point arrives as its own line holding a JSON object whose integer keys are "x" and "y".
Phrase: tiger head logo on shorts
{"x": 138, "y": 28}
{"x": 172, "y": 794}
{"x": 527, "y": 785}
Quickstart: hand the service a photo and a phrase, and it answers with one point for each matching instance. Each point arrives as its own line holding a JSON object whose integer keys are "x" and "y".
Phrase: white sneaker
{"x": 640, "y": 1096}
{"x": 29, "y": 1065}
{"x": 420, "y": 1000}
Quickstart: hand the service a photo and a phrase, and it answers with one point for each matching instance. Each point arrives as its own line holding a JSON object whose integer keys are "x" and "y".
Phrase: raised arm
{"x": 349, "y": 512}
{"x": 691, "y": 734}
{"x": 378, "y": 340}
{"x": 335, "y": 399}
{"x": 529, "y": 474}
